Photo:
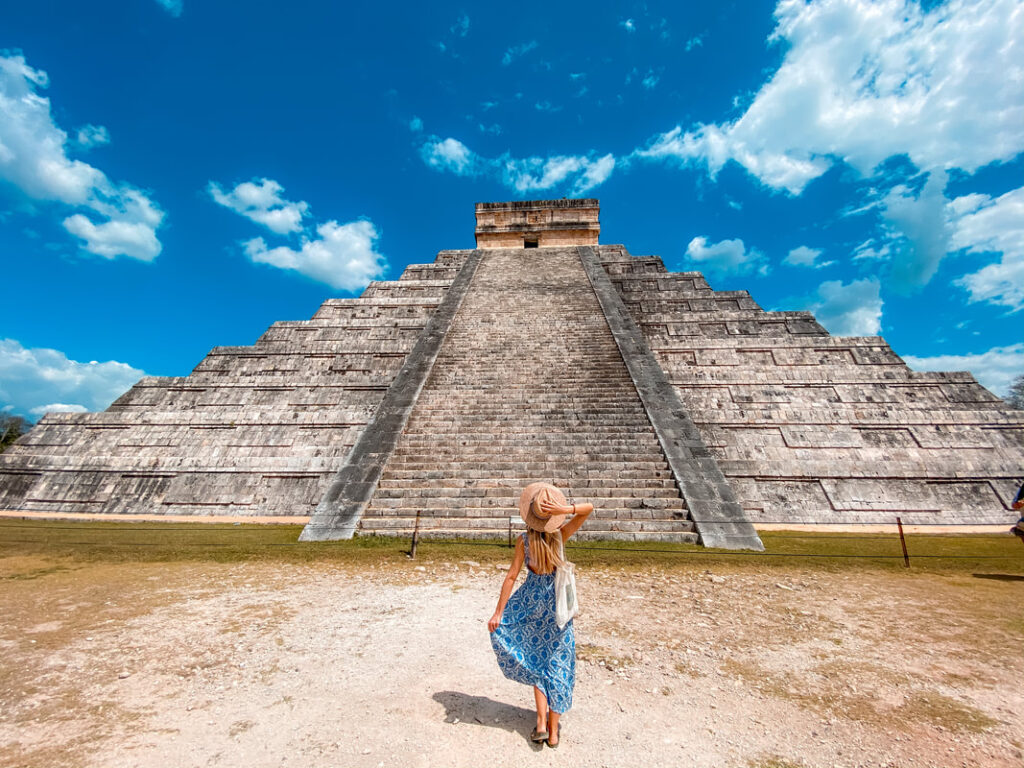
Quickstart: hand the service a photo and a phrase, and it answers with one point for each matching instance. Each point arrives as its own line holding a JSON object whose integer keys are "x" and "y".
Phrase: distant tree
{"x": 1016, "y": 395}
{"x": 11, "y": 428}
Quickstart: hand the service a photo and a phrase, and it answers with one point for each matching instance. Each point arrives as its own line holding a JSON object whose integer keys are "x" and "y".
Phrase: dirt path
{"x": 314, "y": 665}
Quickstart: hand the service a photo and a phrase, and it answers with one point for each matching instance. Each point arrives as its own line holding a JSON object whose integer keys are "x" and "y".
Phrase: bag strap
{"x": 561, "y": 548}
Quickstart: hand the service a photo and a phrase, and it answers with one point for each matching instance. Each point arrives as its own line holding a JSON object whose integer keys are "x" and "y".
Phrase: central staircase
{"x": 528, "y": 385}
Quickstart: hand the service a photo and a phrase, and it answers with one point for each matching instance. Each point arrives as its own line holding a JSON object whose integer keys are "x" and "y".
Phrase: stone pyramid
{"x": 683, "y": 413}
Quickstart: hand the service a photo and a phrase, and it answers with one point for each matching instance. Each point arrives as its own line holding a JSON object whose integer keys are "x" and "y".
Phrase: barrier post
{"x": 415, "y": 536}
{"x": 903, "y": 543}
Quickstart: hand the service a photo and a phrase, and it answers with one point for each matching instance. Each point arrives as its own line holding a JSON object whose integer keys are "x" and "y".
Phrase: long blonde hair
{"x": 545, "y": 550}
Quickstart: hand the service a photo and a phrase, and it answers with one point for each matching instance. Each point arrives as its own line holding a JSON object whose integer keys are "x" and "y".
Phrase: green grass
{"x": 219, "y": 542}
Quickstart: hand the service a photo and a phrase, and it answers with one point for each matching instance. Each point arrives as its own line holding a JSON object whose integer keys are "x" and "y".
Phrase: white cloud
{"x": 694, "y": 42}
{"x": 994, "y": 369}
{"x": 113, "y": 219}
{"x": 726, "y": 257}
{"x": 921, "y": 228}
{"x": 42, "y": 410}
{"x": 853, "y": 309}
{"x": 918, "y": 232}
{"x": 343, "y": 256}
{"x": 595, "y": 173}
{"x": 715, "y": 147}
{"x": 535, "y": 173}
{"x": 524, "y": 175}
{"x": 37, "y": 380}
{"x": 650, "y": 80}
{"x": 628, "y": 24}
{"x": 90, "y": 136}
{"x": 517, "y": 51}
{"x": 461, "y": 27}
{"x": 32, "y": 147}
{"x": 871, "y": 250}
{"x": 802, "y": 256}
{"x": 449, "y": 155}
{"x": 981, "y": 224}
{"x": 173, "y": 7}
{"x": 130, "y": 230}
{"x": 865, "y": 80}
{"x": 260, "y": 200}
{"x": 546, "y": 106}
{"x": 415, "y": 125}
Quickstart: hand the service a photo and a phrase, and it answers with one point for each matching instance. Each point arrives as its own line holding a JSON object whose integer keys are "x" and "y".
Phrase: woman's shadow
{"x": 487, "y": 712}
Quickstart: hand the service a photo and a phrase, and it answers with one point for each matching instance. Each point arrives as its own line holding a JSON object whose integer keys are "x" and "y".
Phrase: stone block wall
{"x": 810, "y": 427}
{"x": 544, "y": 223}
{"x": 253, "y": 431}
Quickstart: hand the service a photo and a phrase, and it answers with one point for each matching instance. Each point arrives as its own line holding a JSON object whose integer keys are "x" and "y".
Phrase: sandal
{"x": 538, "y": 737}
{"x": 559, "y": 734}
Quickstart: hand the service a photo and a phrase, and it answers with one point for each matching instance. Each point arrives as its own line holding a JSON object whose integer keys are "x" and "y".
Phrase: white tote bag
{"x": 566, "y": 604}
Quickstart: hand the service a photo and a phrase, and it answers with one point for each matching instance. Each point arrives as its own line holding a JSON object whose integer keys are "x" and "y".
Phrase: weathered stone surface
{"x": 529, "y": 385}
{"x": 809, "y": 427}
{"x": 674, "y": 407}
{"x": 537, "y": 223}
{"x": 256, "y": 431}
{"x": 341, "y": 508}
{"x": 718, "y": 518}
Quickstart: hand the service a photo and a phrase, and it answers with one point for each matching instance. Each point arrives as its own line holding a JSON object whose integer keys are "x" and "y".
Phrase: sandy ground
{"x": 327, "y": 665}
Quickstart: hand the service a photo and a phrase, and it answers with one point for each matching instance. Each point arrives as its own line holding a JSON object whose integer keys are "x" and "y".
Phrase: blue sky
{"x": 177, "y": 174}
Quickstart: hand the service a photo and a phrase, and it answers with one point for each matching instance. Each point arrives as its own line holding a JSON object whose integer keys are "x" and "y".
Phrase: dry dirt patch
{"x": 268, "y": 664}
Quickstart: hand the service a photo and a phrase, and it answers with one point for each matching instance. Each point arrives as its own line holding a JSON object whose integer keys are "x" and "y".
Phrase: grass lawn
{"x": 164, "y": 542}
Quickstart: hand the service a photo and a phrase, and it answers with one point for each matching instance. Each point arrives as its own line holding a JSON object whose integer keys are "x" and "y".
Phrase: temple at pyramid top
{"x": 537, "y": 223}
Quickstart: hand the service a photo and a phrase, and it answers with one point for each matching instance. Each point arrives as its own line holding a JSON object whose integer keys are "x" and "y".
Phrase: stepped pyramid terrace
{"x": 683, "y": 413}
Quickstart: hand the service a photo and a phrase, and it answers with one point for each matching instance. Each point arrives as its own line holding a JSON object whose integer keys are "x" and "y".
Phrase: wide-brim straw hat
{"x": 543, "y": 507}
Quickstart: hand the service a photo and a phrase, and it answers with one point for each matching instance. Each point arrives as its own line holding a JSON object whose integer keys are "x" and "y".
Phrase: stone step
{"x": 511, "y": 414}
{"x": 565, "y": 443}
{"x": 499, "y": 406}
{"x": 536, "y": 417}
{"x": 499, "y": 518}
{"x": 458, "y": 506}
{"x": 578, "y": 474}
{"x": 474, "y": 527}
{"x": 422, "y": 491}
{"x": 538, "y": 468}
{"x": 601, "y": 486}
{"x": 601, "y": 517}
{"x": 518, "y": 451}
{"x": 451, "y": 531}
{"x": 513, "y": 435}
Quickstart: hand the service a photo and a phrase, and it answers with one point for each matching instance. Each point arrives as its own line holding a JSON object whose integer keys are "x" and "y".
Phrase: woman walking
{"x": 530, "y": 646}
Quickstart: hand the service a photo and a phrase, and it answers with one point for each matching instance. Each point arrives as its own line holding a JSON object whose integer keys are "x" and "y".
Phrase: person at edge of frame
{"x": 1018, "y": 504}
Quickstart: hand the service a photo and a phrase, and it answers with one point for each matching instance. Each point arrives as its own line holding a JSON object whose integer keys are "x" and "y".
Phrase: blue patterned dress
{"x": 530, "y": 647}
